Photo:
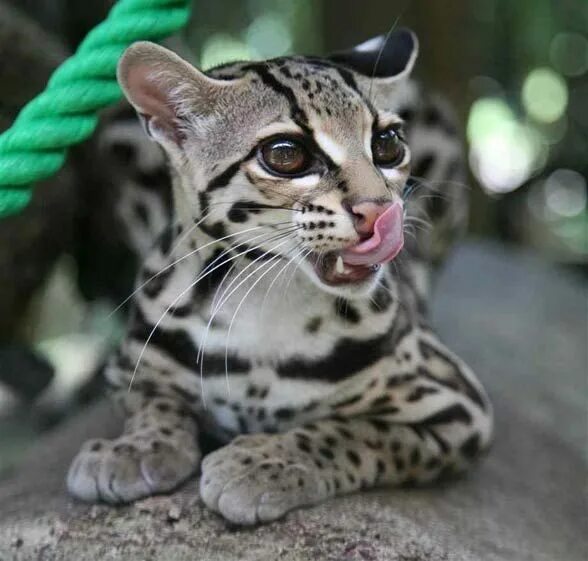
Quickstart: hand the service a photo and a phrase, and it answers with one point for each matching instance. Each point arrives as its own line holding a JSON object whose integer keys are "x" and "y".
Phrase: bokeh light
{"x": 221, "y": 47}
{"x": 569, "y": 53}
{"x": 269, "y": 36}
{"x": 565, "y": 193}
{"x": 558, "y": 208}
{"x": 504, "y": 152}
{"x": 544, "y": 95}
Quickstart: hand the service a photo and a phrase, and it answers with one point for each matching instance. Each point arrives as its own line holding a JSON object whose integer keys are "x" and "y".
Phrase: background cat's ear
{"x": 385, "y": 56}
{"x": 165, "y": 90}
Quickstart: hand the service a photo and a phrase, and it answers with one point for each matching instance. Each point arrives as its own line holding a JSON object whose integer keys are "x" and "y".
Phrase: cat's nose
{"x": 365, "y": 214}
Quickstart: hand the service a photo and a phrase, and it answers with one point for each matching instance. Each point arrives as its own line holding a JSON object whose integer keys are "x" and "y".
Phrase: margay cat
{"x": 284, "y": 304}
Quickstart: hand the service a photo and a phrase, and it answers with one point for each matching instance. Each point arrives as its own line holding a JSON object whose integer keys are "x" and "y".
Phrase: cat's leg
{"x": 157, "y": 450}
{"x": 409, "y": 428}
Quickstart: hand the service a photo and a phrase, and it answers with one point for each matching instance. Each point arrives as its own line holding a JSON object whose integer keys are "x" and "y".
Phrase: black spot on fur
{"x": 154, "y": 282}
{"x": 399, "y": 463}
{"x": 141, "y": 213}
{"x": 237, "y": 215}
{"x": 313, "y": 325}
{"x": 353, "y": 457}
{"x": 216, "y": 230}
{"x": 406, "y": 114}
{"x": 346, "y": 311}
{"x": 344, "y": 433}
{"x": 184, "y": 394}
{"x": 415, "y": 457}
{"x": 419, "y": 392}
{"x": 165, "y": 241}
{"x": 123, "y": 152}
{"x": 326, "y": 453}
{"x": 284, "y": 413}
{"x": 304, "y": 446}
{"x": 433, "y": 463}
{"x": 154, "y": 179}
{"x": 330, "y": 441}
{"x": 224, "y": 178}
{"x": 373, "y": 444}
{"x": 379, "y": 425}
{"x": 471, "y": 447}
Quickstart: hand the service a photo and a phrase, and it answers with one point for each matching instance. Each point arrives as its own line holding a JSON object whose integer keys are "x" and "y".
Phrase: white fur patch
{"x": 277, "y": 128}
{"x": 373, "y": 44}
{"x": 330, "y": 146}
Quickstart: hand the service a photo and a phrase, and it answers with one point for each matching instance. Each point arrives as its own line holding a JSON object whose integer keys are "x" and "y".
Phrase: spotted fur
{"x": 318, "y": 389}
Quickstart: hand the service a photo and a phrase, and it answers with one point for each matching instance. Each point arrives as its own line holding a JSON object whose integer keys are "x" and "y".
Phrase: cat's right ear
{"x": 167, "y": 92}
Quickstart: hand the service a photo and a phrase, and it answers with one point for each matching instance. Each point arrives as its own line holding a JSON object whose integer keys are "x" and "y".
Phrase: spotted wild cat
{"x": 284, "y": 309}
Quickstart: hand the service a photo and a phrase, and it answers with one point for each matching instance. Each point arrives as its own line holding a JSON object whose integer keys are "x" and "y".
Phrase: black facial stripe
{"x": 297, "y": 113}
{"x": 348, "y": 78}
{"x": 224, "y": 178}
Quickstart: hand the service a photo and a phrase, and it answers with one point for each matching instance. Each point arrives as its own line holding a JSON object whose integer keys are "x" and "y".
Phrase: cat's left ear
{"x": 389, "y": 56}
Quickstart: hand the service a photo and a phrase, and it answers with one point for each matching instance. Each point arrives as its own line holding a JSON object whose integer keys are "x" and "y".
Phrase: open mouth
{"x": 359, "y": 262}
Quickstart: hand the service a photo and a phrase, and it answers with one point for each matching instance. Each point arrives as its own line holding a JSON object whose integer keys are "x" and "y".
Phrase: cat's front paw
{"x": 131, "y": 467}
{"x": 259, "y": 478}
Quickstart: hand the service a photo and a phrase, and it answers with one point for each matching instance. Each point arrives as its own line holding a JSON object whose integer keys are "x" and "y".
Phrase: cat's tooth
{"x": 339, "y": 267}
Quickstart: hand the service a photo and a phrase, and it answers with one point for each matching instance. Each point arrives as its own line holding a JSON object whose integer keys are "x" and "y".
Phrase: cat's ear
{"x": 386, "y": 56}
{"x": 166, "y": 91}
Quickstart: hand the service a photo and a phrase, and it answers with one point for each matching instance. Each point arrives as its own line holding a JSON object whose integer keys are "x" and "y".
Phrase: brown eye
{"x": 285, "y": 157}
{"x": 387, "y": 148}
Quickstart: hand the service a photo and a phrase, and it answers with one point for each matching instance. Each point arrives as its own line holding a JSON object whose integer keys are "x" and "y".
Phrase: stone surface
{"x": 519, "y": 322}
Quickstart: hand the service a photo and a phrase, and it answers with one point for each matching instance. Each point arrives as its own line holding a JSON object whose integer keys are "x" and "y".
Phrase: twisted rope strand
{"x": 35, "y": 147}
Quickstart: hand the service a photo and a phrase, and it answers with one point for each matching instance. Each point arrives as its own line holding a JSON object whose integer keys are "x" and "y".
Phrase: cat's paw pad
{"x": 131, "y": 467}
{"x": 251, "y": 481}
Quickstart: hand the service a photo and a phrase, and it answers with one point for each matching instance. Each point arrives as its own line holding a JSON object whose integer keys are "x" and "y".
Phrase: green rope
{"x": 35, "y": 147}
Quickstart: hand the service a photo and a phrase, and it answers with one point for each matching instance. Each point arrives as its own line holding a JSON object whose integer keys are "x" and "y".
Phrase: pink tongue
{"x": 385, "y": 243}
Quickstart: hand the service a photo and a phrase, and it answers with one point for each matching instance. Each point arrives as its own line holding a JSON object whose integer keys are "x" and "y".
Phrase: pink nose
{"x": 365, "y": 214}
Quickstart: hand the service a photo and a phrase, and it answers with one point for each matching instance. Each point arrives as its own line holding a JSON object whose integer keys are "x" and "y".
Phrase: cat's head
{"x": 300, "y": 157}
